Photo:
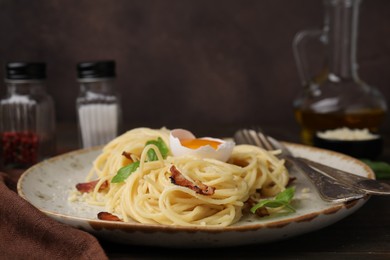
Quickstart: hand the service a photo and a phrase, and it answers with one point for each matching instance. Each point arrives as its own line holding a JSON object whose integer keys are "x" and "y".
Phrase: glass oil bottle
{"x": 336, "y": 97}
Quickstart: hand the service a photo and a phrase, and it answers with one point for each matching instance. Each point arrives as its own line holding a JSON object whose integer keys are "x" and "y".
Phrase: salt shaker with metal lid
{"x": 98, "y": 105}
{"x": 27, "y": 116}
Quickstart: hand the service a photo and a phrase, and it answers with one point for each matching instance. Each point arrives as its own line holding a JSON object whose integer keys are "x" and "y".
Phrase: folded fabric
{"x": 27, "y": 233}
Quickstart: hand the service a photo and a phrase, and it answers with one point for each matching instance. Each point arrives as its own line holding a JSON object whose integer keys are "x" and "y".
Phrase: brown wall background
{"x": 181, "y": 63}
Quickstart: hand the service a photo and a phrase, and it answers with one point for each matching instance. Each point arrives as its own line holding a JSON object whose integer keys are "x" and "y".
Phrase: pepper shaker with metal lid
{"x": 27, "y": 116}
{"x": 98, "y": 105}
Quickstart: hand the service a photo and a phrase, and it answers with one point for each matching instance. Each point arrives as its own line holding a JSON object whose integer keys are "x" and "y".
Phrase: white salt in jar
{"x": 98, "y": 105}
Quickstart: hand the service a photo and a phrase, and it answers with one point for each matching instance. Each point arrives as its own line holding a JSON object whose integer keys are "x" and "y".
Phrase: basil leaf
{"x": 286, "y": 195}
{"x": 124, "y": 172}
{"x": 282, "y": 199}
{"x": 381, "y": 169}
{"x": 162, "y": 147}
{"x": 268, "y": 204}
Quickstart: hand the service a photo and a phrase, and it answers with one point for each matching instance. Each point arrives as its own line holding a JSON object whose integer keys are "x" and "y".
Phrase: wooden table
{"x": 363, "y": 235}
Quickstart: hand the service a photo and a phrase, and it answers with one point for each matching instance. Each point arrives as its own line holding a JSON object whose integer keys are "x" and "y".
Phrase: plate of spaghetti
{"x": 162, "y": 187}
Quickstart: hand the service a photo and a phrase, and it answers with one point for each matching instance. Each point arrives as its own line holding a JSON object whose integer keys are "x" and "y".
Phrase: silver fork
{"x": 360, "y": 183}
{"x": 328, "y": 188}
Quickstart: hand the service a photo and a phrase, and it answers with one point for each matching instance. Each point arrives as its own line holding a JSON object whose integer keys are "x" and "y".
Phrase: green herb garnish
{"x": 124, "y": 172}
{"x": 282, "y": 199}
{"x": 381, "y": 169}
{"x": 162, "y": 147}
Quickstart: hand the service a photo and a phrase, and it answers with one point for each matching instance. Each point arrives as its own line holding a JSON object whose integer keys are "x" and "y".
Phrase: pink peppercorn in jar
{"x": 27, "y": 116}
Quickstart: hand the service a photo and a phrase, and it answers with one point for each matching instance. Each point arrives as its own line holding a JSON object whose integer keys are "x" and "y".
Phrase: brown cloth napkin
{"x": 27, "y": 233}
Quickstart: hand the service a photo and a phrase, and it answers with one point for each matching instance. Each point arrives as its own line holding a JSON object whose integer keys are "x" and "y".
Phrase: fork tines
{"x": 255, "y": 137}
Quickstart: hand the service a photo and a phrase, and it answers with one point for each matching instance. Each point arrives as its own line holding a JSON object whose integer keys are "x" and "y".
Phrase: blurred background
{"x": 209, "y": 66}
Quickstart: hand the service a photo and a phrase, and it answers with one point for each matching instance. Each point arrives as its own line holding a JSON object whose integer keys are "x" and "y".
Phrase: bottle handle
{"x": 300, "y": 55}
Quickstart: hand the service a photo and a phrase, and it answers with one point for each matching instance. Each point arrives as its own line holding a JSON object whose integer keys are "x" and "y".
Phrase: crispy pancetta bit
{"x": 89, "y": 186}
{"x": 261, "y": 212}
{"x": 127, "y": 155}
{"x": 108, "y": 216}
{"x": 249, "y": 203}
{"x": 179, "y": 179}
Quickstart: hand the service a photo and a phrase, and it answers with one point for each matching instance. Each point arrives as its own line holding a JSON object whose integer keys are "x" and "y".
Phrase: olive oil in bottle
{"x": 311, "y": 122}
{"x": 336, "y": 97}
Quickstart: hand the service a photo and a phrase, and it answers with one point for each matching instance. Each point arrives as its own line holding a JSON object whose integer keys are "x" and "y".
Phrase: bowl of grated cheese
{"x": 358, "y": 143}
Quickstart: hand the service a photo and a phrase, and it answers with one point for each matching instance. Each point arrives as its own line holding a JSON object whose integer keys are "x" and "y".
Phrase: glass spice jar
{"x": 27, "y": 116}
{"x": 98, "y": 105}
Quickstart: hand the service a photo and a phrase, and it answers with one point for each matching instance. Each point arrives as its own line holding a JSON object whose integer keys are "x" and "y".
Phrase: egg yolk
{"x": 196, "y": 143}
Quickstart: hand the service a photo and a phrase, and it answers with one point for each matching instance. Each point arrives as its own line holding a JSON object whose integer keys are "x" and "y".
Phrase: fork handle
{"x": 370, "y": 186}
{"x": 328, "y": 188}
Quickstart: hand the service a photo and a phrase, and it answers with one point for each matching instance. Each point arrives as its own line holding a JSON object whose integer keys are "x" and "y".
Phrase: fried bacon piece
{"x": 89, "y": 186}
{"x": 178, "y": 179}
{"x": 108, "y": 216}
{"x": 261, "y": 212}
{"x": 127, "y": 155}
{"x": 249, "y": 204}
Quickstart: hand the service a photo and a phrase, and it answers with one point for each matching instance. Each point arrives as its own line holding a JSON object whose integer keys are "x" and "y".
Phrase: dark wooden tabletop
{"x": 365, "y": 234}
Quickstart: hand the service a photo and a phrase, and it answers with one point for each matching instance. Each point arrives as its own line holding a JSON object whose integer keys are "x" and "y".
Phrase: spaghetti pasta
{"x": 150, "y": 195}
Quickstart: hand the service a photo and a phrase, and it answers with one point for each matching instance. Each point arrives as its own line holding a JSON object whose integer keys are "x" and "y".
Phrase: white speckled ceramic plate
{"x": 47, "y": 186}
